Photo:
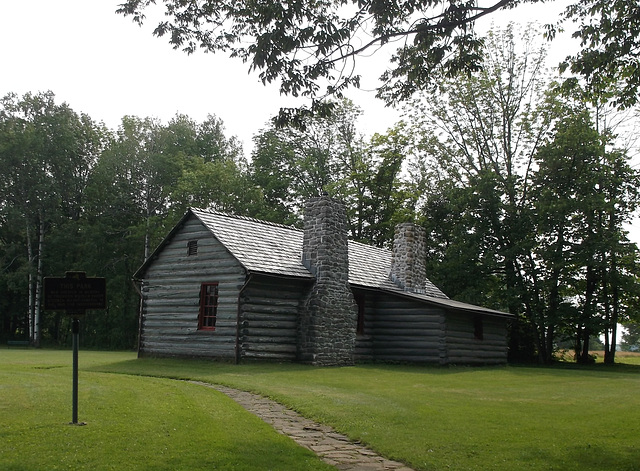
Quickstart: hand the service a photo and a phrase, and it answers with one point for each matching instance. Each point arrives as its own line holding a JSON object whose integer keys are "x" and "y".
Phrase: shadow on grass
{"x": 590, "y": 457}
{"x": 185, "y": 369}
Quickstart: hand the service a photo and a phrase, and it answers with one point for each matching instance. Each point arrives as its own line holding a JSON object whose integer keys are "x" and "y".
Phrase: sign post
{"x": 75, "y": 293}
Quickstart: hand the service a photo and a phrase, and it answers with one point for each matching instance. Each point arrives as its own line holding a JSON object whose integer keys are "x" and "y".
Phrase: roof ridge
{"x": 371, "y": 246}
{"x": 246, "y": 218}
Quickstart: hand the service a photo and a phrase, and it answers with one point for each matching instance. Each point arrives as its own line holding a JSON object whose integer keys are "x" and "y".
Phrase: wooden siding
{"x": 464, "y": 348}
{"x": 269, "y": 308}
{"x": 364, "y": 340}
{"x": 404, "y": 330}
{"x": 171, "y": 297}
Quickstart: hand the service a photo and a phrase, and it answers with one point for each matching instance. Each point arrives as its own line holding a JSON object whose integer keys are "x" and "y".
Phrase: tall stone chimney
{"x": 327, "y": 327}
{"x": 408, "y": 269}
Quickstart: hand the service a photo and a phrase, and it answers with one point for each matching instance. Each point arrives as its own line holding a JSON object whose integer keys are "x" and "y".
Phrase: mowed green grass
{"x": 132, "y": 422}
{"x": 457, "y": 418}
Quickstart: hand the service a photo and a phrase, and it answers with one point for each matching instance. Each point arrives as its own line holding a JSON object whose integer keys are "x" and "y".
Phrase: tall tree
{"x": 479, "y": 137}
{"x": 588, "y": 191}
{"x": 529, "y": 196}
{"x": 291, "y": 164}
{"x": 46, "y": 154}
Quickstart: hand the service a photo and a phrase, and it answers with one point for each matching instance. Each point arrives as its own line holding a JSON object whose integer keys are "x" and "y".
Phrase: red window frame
{"x": 208, "y": 306}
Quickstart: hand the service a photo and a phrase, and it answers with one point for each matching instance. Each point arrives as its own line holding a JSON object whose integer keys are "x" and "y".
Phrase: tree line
{"x": 521, "y": 183}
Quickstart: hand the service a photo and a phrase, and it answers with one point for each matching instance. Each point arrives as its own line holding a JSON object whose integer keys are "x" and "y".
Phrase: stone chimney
{"x": 408, "y": 269}
{"x": 327, "y": 327}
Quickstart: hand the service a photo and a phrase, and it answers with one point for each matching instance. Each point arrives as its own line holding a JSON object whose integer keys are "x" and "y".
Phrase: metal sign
{"x": 75, "y": 293}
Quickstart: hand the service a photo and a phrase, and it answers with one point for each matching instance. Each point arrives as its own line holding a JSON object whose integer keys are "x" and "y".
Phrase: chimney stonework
{"x": 327, "y": 327}
{"x": 408, "y": 269}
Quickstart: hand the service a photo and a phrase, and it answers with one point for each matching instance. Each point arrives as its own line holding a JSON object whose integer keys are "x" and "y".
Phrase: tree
{"x": 310, "y": 47}
{"x": 46, "y": 154}
{"x": 291, "y": 165}
{"x": 478, "y": 138}
{"x": 375, "y": 192}
{"x": 631, "y": 338}
{"x": 527, "y": 202}
{"x": 584, "y": 193}
{"x": 609, "y": 34}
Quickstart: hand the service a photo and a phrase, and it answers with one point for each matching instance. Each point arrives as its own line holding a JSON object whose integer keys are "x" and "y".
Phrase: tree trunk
{"x": 31, "y": 289}
{"x": 38, "y": 284}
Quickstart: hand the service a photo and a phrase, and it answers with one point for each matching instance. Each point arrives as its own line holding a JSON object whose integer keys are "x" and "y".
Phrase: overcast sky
{"x": 106, "y": 66}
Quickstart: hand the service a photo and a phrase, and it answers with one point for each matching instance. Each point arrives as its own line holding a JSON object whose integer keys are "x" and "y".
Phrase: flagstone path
{"x": 332, "y": 447}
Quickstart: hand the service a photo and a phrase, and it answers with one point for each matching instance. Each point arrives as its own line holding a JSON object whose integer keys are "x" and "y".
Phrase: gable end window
{"x": 192, "y": 247}
{"x": 208, "y": 306}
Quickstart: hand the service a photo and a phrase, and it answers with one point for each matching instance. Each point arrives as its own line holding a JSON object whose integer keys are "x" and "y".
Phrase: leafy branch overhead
{"x": 310, "y": 47}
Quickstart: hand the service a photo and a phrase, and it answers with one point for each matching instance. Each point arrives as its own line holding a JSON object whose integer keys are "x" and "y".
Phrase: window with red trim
{"x": 208, "y": 306}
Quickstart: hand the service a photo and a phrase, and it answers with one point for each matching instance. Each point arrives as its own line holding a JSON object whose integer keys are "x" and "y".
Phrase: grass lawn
{"x": 458, "y": 418}
{"x": 133, "y": 422}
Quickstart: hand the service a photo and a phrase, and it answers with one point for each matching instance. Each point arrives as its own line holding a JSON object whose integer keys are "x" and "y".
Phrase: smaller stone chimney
{"x": 328, "y": 319}
{"x": 408, "y": 269}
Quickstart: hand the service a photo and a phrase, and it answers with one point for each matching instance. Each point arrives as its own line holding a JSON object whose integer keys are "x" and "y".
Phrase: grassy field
{"x": 139, "y": 417}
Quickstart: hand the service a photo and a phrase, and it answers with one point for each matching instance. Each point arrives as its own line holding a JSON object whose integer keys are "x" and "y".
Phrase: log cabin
{"x": 234, "y": 288}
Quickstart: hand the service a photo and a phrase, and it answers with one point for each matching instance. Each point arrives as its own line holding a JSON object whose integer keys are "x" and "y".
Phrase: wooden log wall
{"x": 407, "y": 331}
{"x": 171, "y": 297}
{"x": 464, "y": 348}
{"x": 269, "y": 310}
{"x": 366, "y": 300}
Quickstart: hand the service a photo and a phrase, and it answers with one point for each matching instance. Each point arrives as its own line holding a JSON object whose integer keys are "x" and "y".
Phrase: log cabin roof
{"x": 271, "y": 248}
{"x": 275, "y": 249}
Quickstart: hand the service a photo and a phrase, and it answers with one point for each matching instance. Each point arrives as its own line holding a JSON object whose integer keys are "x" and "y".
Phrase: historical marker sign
{"x": 75, "y": 292}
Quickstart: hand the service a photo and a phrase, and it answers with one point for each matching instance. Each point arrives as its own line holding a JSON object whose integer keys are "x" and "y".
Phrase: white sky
{"x": 106, "y": 66}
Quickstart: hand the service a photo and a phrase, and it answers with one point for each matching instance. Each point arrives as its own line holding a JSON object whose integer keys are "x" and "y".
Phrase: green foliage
{"x": 309, "y": 47}
{"x": 631, "y": 337}
{"x": 584, "y": 193}
{"x": 291, "y": 165}
{"x": 75, "y": 196}
{"x": 46, "y": 155}
{"x": 526, "y": 201}
{"x": 608, "y": 33}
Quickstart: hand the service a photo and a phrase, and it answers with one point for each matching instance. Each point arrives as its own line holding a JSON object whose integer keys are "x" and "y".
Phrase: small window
{"x": 478, "y": 328}
{"x": 192, "y": 247}
{"x": 208, "y": 306}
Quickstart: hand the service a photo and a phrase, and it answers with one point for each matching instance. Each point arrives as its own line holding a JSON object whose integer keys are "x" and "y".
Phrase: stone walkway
{"x": 333, "y": 448}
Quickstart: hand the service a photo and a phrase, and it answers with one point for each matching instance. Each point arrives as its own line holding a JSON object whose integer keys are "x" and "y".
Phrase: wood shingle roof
{"x": 271, "y": 248}
{"x": 274, "y": 249}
